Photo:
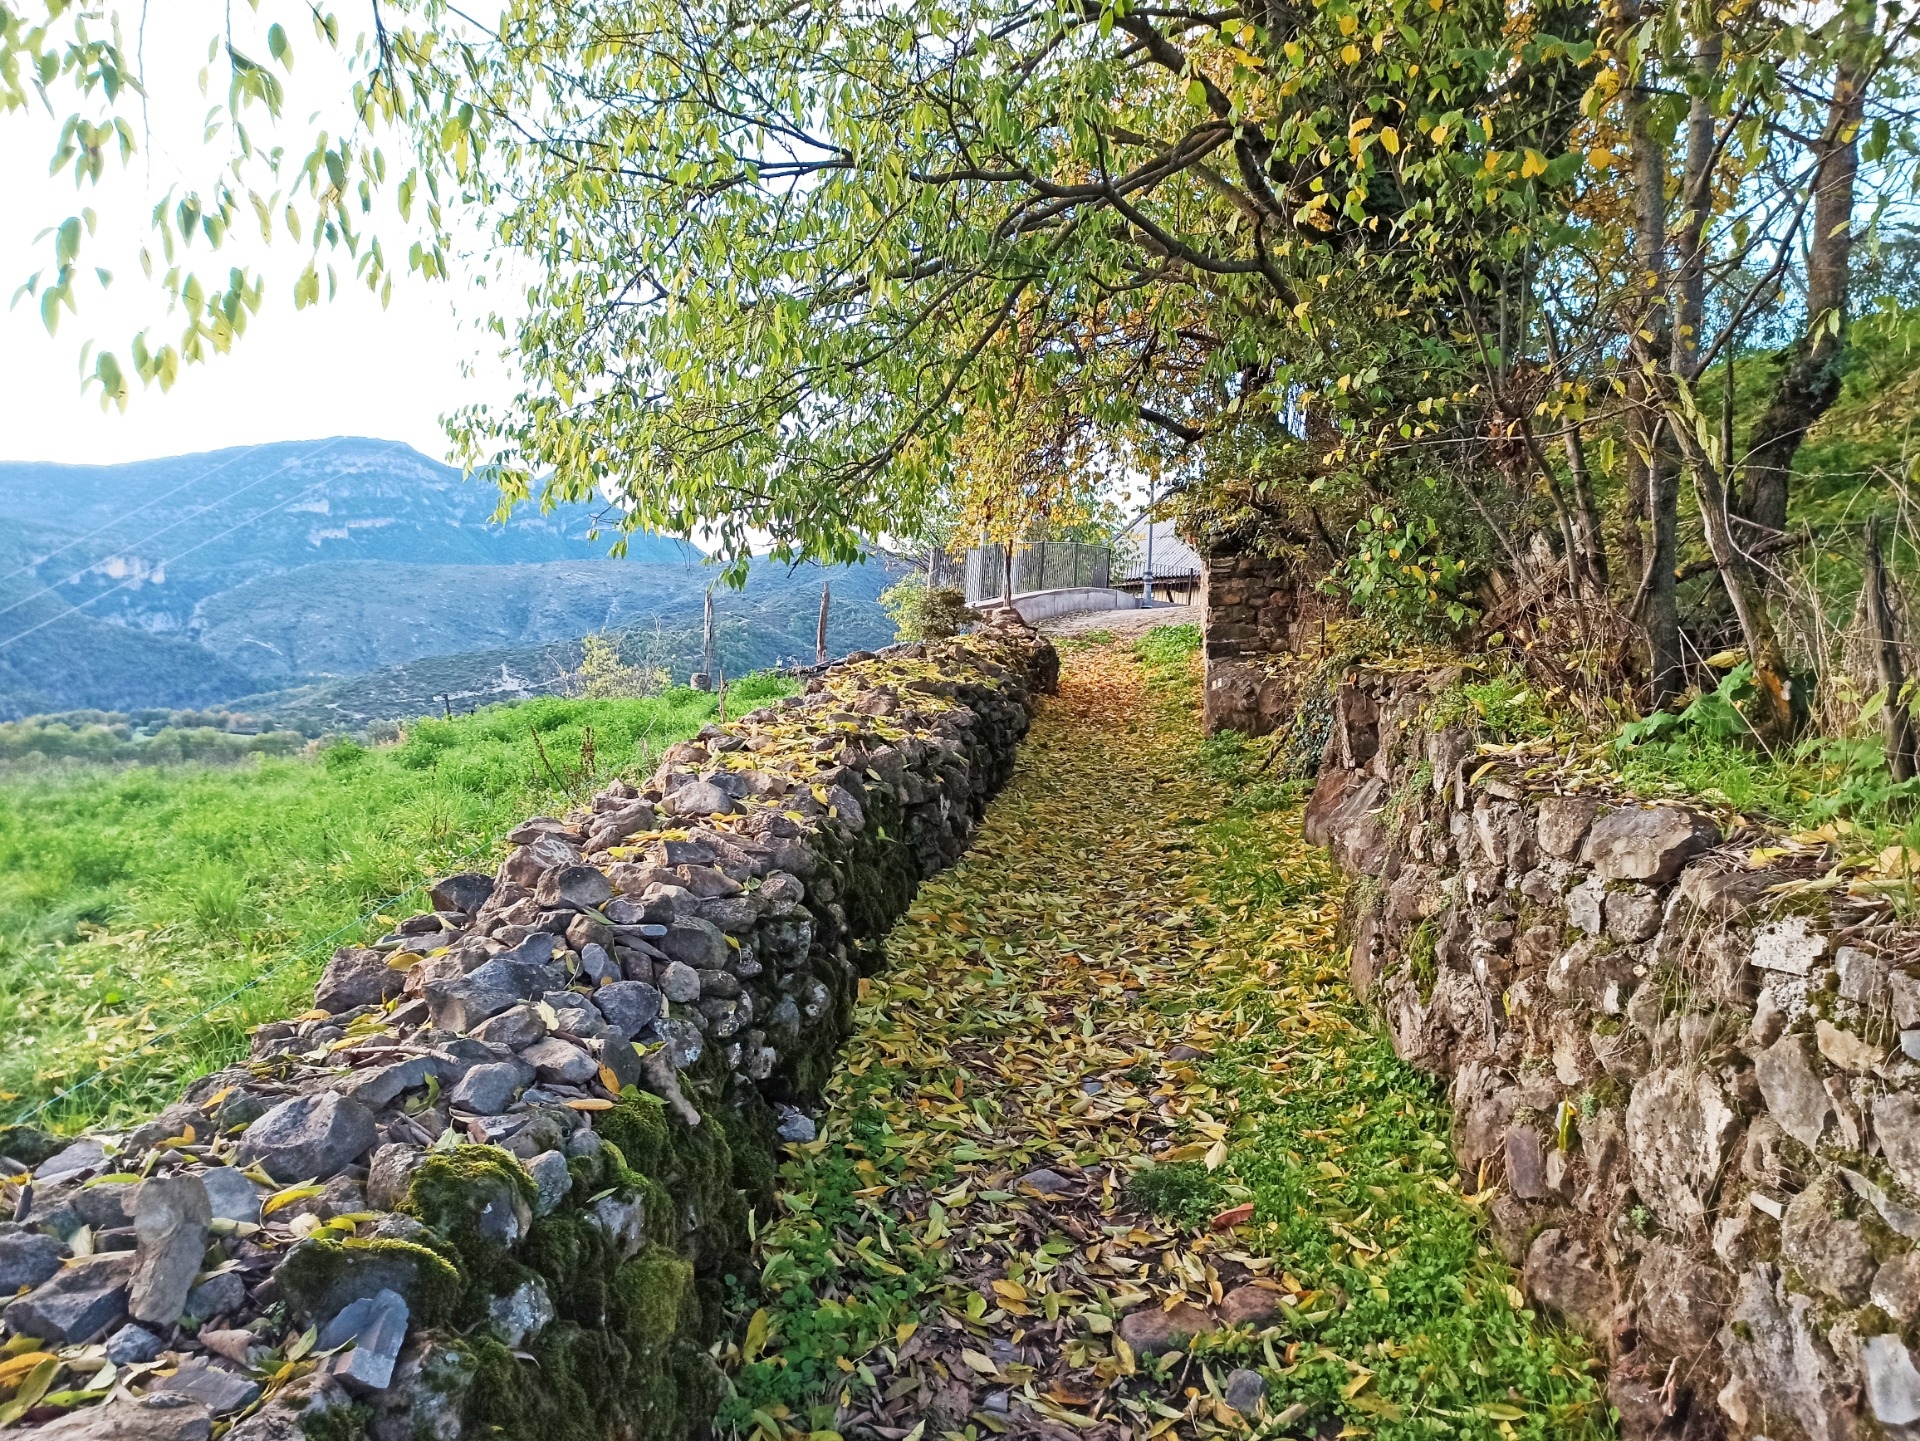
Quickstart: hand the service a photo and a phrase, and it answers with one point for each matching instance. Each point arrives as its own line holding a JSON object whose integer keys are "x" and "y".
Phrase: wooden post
{"x": 706, "y": 639}
{"x": 820, "y": 632}
{"x": 1894, "y": 719}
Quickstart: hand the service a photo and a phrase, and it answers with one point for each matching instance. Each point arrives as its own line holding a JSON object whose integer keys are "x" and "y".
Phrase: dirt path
{"x": 1112, "y": 1096}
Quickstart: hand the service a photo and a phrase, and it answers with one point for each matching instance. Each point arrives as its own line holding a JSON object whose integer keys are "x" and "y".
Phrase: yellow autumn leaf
{"x": 1350, "y": 54}
{"x": 979, "y": 1362}
{"x": 1012, "y": 1290}
{"x": 756, "y": 1337}
{"x": 1216, "y": 1155}
{"x": 279, "y": 1200}
{"x": 1534, "y": 164}
{"x": 1390, "y": 138}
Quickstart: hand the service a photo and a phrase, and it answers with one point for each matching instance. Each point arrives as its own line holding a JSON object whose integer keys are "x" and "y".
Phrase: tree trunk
{"x": 1895, "y": 720}
{"x": 1659, "y": 613}
{"x": 1810, "y": 383}
{"x": 1772, "y": 715}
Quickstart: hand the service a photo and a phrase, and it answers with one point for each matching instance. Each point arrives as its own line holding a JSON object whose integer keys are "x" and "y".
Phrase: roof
{"x": 1173, "y": 558}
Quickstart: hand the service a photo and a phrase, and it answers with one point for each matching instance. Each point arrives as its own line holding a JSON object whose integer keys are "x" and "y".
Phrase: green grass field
{"x": 136, "y": 901}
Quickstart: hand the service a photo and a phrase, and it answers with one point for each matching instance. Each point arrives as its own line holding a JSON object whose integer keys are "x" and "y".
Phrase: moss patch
{"x": 319, "y": 1277}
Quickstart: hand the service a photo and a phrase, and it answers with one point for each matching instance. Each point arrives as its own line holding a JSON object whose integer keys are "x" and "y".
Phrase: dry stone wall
{"x": 1254, "y": 609}
{"x": 493, "y": 1182}
{"x": 1682, "y": 1063}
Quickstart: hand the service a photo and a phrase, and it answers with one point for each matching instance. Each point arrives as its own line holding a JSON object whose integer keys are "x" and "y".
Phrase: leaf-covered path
{"x": 1135, "y": 963}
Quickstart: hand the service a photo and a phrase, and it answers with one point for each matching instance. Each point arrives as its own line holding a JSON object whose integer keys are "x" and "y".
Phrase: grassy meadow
{"x": 150, "y": 914}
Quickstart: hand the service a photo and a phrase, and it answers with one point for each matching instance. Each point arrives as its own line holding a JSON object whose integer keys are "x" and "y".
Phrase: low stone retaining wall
{"x": 494, "y": 1182}
{"x": 1681, "y": 1065}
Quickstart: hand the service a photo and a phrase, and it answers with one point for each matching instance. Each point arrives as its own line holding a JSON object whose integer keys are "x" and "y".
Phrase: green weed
{"x": 132, "y": 898}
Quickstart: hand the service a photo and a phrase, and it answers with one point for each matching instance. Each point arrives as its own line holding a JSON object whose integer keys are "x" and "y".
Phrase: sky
{"x": 341, "y": 367}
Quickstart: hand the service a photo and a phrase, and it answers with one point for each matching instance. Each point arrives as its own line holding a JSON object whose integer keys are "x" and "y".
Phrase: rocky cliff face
{"x": 496, "y": 1179}
{"x": 1682, "y": 1068}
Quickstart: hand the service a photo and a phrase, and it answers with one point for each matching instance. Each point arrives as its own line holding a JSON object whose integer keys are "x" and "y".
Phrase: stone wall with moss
{"x": 1681, "y": 1052}
{"x": 498, "y": 1181}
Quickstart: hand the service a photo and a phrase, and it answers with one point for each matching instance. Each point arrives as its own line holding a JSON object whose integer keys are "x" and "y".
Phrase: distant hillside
{"x": 145, "y": 543}
{"x": 346, "y": 581}
{"x": 768, "y": 625}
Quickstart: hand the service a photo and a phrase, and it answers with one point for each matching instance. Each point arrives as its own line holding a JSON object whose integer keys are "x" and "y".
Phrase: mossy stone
{"x": 320, "y": 1277}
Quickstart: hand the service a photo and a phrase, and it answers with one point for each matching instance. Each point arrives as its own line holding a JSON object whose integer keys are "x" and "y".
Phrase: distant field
{"x": 131, "y": 899}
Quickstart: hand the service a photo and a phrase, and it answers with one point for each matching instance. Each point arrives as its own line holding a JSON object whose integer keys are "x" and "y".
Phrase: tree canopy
{"x": 815, "y": 273}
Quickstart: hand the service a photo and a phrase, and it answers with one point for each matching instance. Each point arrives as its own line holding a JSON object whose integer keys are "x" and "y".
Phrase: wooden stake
{"x": 820, "y": 634}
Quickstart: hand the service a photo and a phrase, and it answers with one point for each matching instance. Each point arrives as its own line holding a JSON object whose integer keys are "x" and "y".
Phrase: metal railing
{"x": 1037, "y": 565}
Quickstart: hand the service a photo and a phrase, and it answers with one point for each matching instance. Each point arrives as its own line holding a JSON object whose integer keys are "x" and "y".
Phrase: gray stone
{"x": 27, "y": 1259}
{"x": 719, "y": 985}
{"x": 697, "y": 799}
{"x": 513, "y": 1028}
{"x": 216, "y": 1296}
{"x": 522, "y": 1314}
{"x": 628, "y": 1006}
{"x": 1893, "y": 1385}
{"x": 104, "y": 1207}
{"x": 1680, "y": 1130}
{"x": 1790, "y": 1083}
{"x": 214, "y": 1387}
{"x": 698, "y": 943}
{"x": 1826, "y": 1251}
{"x": 1863, "y": 976}
{"x": 623, "y": 1219}
{"x": 1562, "y": 824}
{"x": 1896, "y": 1121}
{"x": 598, "y": 966}
{"x": 1526, "y": 1163}
{"x": 158, "y": 1416}
{"x": 390, "y": 1173}
{"x": 170, "y": 1216}
{"x": 79, "y": 1302}
{"x": 87, "y": 1154}
{"x": 554, "y": 1180}
{"x": 230, "y": 1195}
{"x": 582, "y": 1022}
{"x": 1152, "y": 1328}
{"x": 555, "y": 1060}
{"x": 309, "y": 1137}
{"x": 377, "y": 1327}
{"x": 462, "y": 1003}
{"x": 1586, "y": 907}
{"x": 133, "y": 1345}
{"x": 488, "y": 1090}
{"x": 1647, "y": 843}
{"x": 1896, "y": 1287}
{"x": 1633, "y": 915}
{"x": 582, "y": 887}
{"x": 464, "y": 893}
{"x": 355, "y": 978}
{"x": 1790, "y": 946}
{"x": 1045, "y": 1181}
{"x": 380, "y": 1086}
{"x": 1682, "y": 1298}
{"x": 621, "y": 1058}
{"x": 534, "y": 950}
{"x": 680, "y": 983}
{"x": 1903, "y": 991}
{"x": 684, "y": 1043}
{"x": 1244, "y": 1391}
{"x": 1564, "y": 1278}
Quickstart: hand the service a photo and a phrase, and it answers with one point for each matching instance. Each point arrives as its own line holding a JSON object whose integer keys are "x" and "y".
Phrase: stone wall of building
{"x": 495, "y": 1181}
{"x": 1253, "y": 609}
{"x": 1681, "y": 1061}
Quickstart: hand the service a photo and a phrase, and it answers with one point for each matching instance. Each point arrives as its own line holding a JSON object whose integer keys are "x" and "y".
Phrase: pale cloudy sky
{"x": 345, "y": 367}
